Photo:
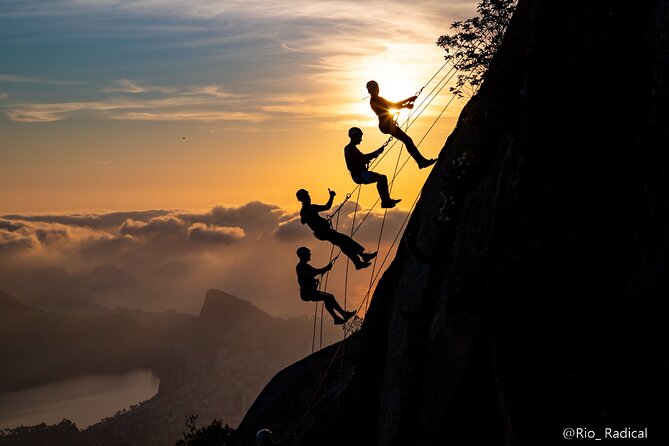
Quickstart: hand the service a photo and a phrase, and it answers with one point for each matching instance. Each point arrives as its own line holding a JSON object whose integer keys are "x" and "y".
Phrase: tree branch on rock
{"x": 475, "y": 41}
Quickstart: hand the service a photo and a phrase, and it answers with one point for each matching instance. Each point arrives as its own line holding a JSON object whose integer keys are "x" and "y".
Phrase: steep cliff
{"x": 531, "y": 299}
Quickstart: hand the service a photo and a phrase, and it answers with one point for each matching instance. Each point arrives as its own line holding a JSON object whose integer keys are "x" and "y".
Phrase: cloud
{"x": 10, "y": 226}
{"x": 214, "y": 234}
{"x": 105, "y": 248}
{"x": 161, "y": 228}
{"x": 292, "y": 231}
{"x": 217, "y": 91}
{"x": 11, "y": 78}
{"x": 310, "y": 59}
{"x": 59, "y": 111}
{"x": 199, "y": 104}
{"x": 21, "y": 115}
{"x": 11, "y": 242}
{"x": 128, "y": 86}
{"x": 188, "y": 116}
{"x": 100, "y": 220}
{"x": 3, "y": 95}
{"x": 209, "y": 227}
{"x": 40, "y": 238}
{"x": 255, "y": 217}
{"x": 51, "y": 236}
{"x": 247, "y": 250}
{"x": 135, "y": 234}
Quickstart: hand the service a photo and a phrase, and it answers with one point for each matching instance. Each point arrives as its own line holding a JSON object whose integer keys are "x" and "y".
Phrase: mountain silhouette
{"x": 106, "y": 278}
{"x": 8, "y": 303}
{"x": 231, "y": 312}
{"x": 56, "y": 289}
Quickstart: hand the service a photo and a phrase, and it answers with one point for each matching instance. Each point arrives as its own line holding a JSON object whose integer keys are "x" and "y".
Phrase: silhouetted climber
{"x": 387, "y": 124}
{"x": 358, "y": 162}
{"x": 323, "y": 230}
{"x": 306, "y": 277}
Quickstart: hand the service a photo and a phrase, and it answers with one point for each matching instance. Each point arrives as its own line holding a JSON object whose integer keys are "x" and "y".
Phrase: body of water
{"x": 84, "y": 400}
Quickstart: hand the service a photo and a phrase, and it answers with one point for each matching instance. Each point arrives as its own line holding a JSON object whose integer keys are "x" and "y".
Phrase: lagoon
{"x": 85, "y": 400}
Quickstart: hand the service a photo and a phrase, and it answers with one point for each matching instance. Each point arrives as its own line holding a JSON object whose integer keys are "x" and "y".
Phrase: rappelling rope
{"x": 408, "y": 122}
{"x": 429, "y": 98}
{"x": 347, "y": 329}
{"x": 374, "y": 278}
{"x": 395, "y": 175}
{"x": 385, "y": 212}
{"x": 369, "y": 211}
{"x": 324, "y": 284}
{"x": 348, "y": 261}
{"x": 425, "y": 103}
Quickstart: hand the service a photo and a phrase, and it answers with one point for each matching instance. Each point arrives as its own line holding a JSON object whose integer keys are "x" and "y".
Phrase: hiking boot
{"x": 338, "y": 321}
{"x": 426, "y": 163}
{"x": 389, "y": 203}
{"x": 362, "y": 265}
{"x": 348, "y": 315}
{"x": 366, "y": 257}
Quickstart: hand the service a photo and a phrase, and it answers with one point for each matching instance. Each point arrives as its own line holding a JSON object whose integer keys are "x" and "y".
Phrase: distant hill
{"x": 56, "y": 289}
{"x": 48, "y": 346}
{"x": 230, "y": 312}
{"x": 8, "y": 303}
{"x": 105, "y": 278}
{"x": 213, "y": 365}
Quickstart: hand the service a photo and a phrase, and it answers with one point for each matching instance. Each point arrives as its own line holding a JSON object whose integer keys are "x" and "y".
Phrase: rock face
{"x": 530, "y": 298}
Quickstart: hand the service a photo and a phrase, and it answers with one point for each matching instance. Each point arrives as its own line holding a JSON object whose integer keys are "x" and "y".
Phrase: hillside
{"x": 212, "y": 365}
{"x": 47, "y": 346}
{"x": 531, "y": 300}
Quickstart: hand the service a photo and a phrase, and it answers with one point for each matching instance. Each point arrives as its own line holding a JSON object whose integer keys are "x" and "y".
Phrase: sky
{"x": 123, "y": 120}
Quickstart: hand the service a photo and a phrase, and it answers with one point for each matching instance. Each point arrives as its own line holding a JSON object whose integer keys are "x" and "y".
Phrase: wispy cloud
{"x": 196, "y": 104}
{"x": 128, "y": 86}
{"x": 217, "y": 91}
{"x": 321, "y": 53}
{"x": 3, "y": 95}
{"x": 12, "y": 78}
{"x": 59, "y": 111}
{"x": 188, "y": 116}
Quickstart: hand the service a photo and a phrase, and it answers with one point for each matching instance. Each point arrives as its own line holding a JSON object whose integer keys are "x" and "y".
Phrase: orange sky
{"x": 240, "y": 114}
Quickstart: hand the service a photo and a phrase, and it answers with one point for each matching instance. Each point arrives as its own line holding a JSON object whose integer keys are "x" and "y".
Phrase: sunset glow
{"x": 174, "y": 106}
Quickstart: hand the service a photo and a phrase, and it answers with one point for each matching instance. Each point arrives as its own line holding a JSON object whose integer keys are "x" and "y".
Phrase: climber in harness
{"x": 323, "y": 230}
{"x": 358, "y": 164}
{"x": 307, "y": 278}
{"x": 382, "y": 107}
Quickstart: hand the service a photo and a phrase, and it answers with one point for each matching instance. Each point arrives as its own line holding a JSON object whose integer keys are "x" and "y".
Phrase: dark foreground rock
{"x": 530, "y": 300}
{"x": 303, "y": 400}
